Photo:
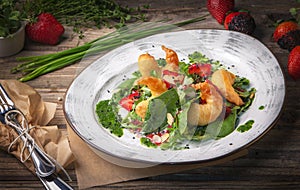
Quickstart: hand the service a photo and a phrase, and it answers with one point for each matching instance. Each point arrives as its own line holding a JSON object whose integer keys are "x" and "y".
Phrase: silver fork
{"x": 45, "y": 169}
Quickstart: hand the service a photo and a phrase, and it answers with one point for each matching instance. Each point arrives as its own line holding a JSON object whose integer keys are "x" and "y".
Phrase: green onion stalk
{"x": 35, "y": 66}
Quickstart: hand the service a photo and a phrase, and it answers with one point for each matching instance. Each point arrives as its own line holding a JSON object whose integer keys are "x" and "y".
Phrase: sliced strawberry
{"x": 128, "y": 101}
{"x": 219, "y": 8}
{"x": 172, "y": 78}
{"x": 294, "y": 63}
{"x": 203, "y": 70}
{"x": 283, "y": 28}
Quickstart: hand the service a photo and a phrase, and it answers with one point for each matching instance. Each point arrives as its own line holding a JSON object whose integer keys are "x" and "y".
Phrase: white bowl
{"x": 243, "y": 54}
{"x": 14, "y": 43}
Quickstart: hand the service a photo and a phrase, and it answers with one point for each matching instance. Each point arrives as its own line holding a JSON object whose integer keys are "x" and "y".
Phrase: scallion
{"x": 36, "y": 66}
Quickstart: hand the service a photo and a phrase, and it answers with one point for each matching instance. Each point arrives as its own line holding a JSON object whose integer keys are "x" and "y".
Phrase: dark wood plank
{"x": 272, "y": 162}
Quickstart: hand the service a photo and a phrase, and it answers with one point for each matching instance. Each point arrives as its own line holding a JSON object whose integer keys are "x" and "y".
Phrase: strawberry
{"x": 283, "y": 28}
{"x": 46, "y": 30}
{"x": 219, "y": 8}
{"x": 241, "y": 22}
{"x": 294, "y": 63}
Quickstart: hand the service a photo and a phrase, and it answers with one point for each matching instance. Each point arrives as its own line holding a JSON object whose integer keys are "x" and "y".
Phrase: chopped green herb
{"x": 147, "y": 142}
{"x": 109, "y": 118}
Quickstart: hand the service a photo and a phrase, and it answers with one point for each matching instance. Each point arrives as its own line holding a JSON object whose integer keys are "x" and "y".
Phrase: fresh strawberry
{"x": 283, "y": 28}
{"x": 294, "y": 63}
{"x": 219, "y": 8}
{"x": 46, "y": 30}
{"x": 241, "y": 22}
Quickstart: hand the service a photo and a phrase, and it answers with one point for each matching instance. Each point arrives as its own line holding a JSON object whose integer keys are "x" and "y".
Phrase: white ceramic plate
{"x": 242, "y": 54}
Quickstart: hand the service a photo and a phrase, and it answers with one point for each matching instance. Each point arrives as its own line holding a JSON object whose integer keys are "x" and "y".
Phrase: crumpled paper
{"x": 38, "y": 113}
{"x": 92, "y": 170}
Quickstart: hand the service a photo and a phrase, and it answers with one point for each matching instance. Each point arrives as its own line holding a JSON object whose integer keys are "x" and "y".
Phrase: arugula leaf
{"x": 198, "y": 57}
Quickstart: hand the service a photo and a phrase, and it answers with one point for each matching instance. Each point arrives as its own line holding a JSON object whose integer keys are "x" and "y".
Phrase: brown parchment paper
{"x": 92, "y": 170}
{"x": 38, "y": 113}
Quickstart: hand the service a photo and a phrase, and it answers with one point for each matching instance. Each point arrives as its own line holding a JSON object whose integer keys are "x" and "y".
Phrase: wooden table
{"x": 272, "y": 163}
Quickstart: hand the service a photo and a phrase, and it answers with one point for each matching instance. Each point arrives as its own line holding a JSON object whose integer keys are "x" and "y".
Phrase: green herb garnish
{"x": 108, "y": 117}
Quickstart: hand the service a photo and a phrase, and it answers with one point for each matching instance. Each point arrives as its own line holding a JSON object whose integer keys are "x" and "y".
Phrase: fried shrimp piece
{"x": 171, "y": 56}
{"x": 210, "y": 107}
{"x": 141, "y": 108}
{"x": 156, "y": 86}
{"x": 224, "y": 80}
{"x": 148, "y": 64}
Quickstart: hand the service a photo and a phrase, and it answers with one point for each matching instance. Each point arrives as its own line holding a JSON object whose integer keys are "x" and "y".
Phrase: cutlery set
{"x": 45, "y": 167}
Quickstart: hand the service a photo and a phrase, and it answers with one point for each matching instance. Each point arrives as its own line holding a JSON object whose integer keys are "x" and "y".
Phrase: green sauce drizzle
{"x": 248, "y": 125}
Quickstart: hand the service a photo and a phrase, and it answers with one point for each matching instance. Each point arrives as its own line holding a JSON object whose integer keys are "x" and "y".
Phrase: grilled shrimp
{"x": 156, "y": 86}
{"x": 171, "y": 56}
{"x": 223, "y": 80}
{"x": 208, "y": 111}
{"x": 148, "y": 64}
{"x": 141, "y": 108}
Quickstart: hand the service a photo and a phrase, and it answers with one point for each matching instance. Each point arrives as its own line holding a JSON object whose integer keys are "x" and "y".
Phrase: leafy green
{"x": 158, "y": 107}
{"x": 10, "y": 18}
{"x": 198, "y": 57}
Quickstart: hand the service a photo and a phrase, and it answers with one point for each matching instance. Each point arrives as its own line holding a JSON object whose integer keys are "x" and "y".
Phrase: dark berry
{"x": 242, "y": 23}
{"x": 290, "y": 40}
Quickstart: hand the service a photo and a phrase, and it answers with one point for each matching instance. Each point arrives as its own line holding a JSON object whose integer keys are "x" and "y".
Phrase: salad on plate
{"x": 168, "y": 103}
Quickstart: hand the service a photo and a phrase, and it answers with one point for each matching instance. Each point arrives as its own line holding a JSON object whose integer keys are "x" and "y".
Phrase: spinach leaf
{"x": 158, "y": 107}
{"x": 223, "y": 128}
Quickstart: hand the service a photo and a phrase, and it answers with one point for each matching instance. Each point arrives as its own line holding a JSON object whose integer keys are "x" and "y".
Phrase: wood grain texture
{"x": 272, "y": 163}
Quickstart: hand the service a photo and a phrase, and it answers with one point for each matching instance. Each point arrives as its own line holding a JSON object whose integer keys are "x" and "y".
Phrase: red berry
{"x": 294, "y": 63}
{"x": 283, "y": 28}
{"x": 46, "y": 30}
{"x": 219, "y": 8}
